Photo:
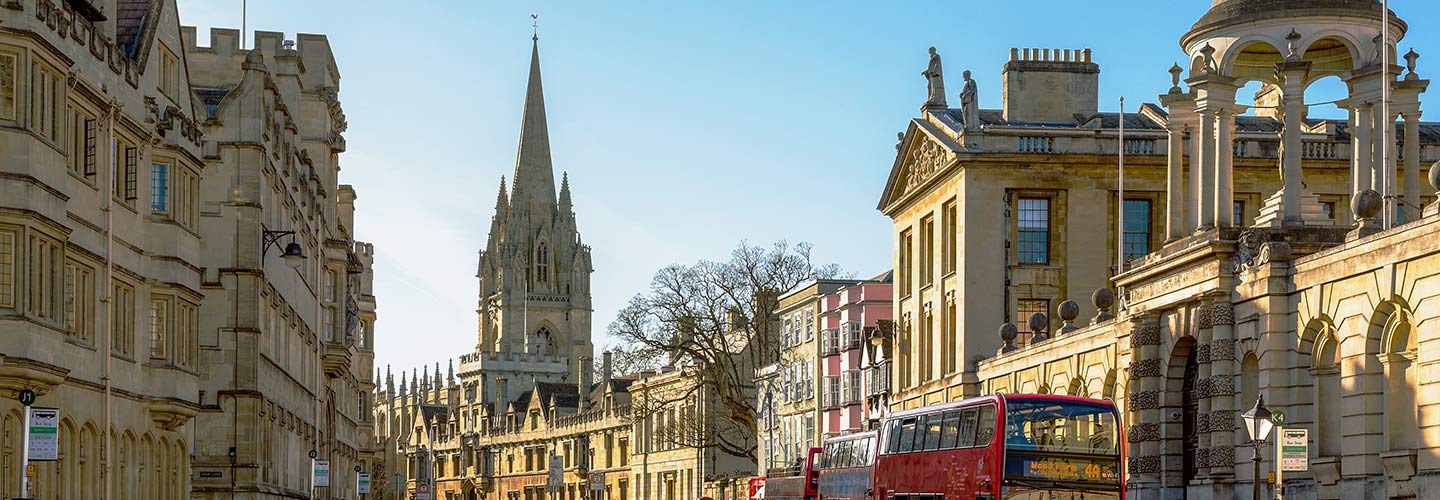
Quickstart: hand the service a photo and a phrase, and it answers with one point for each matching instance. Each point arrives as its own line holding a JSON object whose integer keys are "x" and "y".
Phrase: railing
{"x": 1031, "y": 144}
{"x": 1317, "y": 150}
{"x": 1139, "y": 146}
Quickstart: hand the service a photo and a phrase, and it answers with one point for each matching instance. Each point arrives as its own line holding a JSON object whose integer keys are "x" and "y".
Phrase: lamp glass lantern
{"x": 1257, "y": 421}
{"x": 294, "y": 255}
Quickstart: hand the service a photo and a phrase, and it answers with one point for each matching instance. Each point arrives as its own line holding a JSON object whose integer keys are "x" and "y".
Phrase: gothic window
{"x": 542, "y": 264}
{"x": 543, "y": 341}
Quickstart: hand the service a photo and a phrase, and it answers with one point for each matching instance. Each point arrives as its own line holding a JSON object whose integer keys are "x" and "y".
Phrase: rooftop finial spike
{"x": 535, "y": 26}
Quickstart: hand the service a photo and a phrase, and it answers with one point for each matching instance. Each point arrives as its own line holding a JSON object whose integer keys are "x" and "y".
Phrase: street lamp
{"x": 1258, "y": 424}
{"x": 293, "y": 254}
{"x": 232, "y": 471}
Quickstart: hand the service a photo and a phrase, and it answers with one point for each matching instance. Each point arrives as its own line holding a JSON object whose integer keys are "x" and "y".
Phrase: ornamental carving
{"x": 1145, "y": 335}
{"x": 1144, "y": 368}
{"x": 1145, "y": 400}
{"x": 1222, "y": 313}
{"x": 1221, "y": 385}
{"x": 1144, "y": 464}
{"x": 1202, "y": 388}
{"x": 1222, "y": 420}
{"x": 1202, "y": 318}
{"x": 1202, "y": 457}
{"x": 1144, "y": 431}
{"x": 925, "y": 160}
{"x": 1222, "y": 456}
{"x": 7, "y": 87}
{"x": 1202, "y": 353}
{"x": 1222, "y": 349}
{"x": 1253, "y": 250}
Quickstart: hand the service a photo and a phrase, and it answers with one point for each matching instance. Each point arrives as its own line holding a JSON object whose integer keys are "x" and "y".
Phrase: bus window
{"x": 951, "y": 429}
{"x": 985, "y": 430}
{"x": 891, "y": 437}
{"x": 932, "y": 431}
{"x": 907, "y": 436}
{"x": 867, "y": 452}
{"x": 846, "y": 454}
{"x": 967, "y": 427}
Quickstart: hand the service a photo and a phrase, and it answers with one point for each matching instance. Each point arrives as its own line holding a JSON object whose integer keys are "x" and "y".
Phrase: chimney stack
{"x": 1051, "y": 86}
{"x": 606, "y": 369}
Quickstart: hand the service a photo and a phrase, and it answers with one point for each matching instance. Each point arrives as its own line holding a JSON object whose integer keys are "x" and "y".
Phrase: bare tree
{"x": 717, "y": 322}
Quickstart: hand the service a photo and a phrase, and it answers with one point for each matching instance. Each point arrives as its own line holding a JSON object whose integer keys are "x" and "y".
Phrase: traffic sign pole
{"x": 27, "y": 397}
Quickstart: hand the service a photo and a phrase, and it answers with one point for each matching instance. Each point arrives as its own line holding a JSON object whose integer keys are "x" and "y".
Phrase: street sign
{"x": 555, "y": 480}
{"x": 44, "y": 434}
{"x": 1294, "y": 450}
{"x": 27, "y": 397}
{"x": 757, "y": 488}
{"x": 597, "y": 481}
{"x": 362, "y": 483}
{"x": 422, "y": 492}
{"x": 313, "y": 454}
{"x": 321, "y": 475}
{"x": 1277, "y": 417}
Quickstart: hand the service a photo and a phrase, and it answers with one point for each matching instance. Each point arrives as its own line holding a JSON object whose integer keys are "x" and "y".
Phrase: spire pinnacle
{"x": 534, "y": 179}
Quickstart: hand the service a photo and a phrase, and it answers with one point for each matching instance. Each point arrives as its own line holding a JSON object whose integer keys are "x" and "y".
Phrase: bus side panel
{"x": 845, "y": 484}
{"x": 926, "y": 472}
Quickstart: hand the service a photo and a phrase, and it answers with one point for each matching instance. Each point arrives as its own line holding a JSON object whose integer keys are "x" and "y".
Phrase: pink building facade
{"x": 851, "y": 368}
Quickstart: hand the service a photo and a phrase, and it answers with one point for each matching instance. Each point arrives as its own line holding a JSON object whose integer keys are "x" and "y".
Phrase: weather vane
{"x": 534, "y": 26}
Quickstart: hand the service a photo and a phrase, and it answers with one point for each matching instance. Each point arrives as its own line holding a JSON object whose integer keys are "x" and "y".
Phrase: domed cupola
{"x": 1225, "y": 12}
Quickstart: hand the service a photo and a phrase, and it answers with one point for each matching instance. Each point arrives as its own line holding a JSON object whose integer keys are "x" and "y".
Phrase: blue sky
{"x": 686, "y": 127}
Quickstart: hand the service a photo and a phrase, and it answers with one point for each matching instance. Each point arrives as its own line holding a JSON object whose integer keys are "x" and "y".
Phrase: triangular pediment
{"x": 922, "y": 153}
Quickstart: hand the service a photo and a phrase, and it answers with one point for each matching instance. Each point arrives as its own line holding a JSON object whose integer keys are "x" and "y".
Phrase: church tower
{"x": 534, "y": 272}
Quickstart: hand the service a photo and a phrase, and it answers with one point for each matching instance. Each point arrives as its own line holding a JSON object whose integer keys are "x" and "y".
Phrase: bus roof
{"x": 850, "y": 437}
{"x": 991, "y": 398}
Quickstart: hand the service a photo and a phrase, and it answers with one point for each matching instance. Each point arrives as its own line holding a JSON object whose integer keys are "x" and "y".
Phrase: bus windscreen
{"x": 1061, "y": 441}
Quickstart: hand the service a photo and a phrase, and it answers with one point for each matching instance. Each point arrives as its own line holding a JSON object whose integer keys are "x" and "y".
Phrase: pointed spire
{"x": 565, "y": 194}
{"x": 450, "y": 373}
{"x": 534, "y": 176}
{"x": 425, "y": 378}
{"x": 501, "y": 202}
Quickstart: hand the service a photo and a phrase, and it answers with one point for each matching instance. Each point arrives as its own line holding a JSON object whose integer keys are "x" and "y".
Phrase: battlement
{"x": 312, "y": 51}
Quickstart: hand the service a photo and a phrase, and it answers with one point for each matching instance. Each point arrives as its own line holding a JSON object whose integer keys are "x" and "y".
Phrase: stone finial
{"x": 1208, "y": 56}
{"x": 1102, "y": 299}
{"x": 1069, "y": 310}
{"x": 450, "y": 373}
{"x": 1366, "y": 204}
{"x": 1435, "y": 177}
{"x": 1039, "y": 327}
{"x": 1008, "y": 332}
{"x": 1175, "y": 71}
{"x": 1292, "y": 42}
{"x": 1410, "y": 58}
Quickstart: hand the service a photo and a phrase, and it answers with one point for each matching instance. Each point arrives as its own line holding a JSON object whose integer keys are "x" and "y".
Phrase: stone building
{"x": 1293, "y": 258}
{"x": 674, "y": 457}
{"x": 851, "y": 318}
{"x": 288, "y": 317}
{"x": 100, "y": 249}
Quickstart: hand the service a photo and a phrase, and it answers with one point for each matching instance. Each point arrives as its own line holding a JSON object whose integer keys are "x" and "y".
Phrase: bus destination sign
{"x": 1086, "y": 469}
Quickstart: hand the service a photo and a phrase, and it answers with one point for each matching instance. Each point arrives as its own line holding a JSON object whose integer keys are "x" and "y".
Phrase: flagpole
{"x": 1386, "y": 181}
{"x": 1120, "y": 216}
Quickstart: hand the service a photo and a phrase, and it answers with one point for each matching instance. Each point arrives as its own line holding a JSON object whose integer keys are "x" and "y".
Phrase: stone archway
{"x": 1179, "y": 407}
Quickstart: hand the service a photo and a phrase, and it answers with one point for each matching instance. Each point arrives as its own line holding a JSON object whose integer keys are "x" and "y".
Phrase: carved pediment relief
{"x": 925, "y": 159}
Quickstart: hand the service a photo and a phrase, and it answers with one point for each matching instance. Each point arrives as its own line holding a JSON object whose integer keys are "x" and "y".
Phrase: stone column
{"x": 1143, "y": 434}
{"x": 1175, "y": 198}
{"x": 1377, "y": 147}
{"x": 1224, "y": 199}
{"x": 1361, "y": 150}
{"x": 1412, "y": 166}
{"x": 1292, "y": 174}
{"x": 1222, "y": 387}
{"x": 1206, "y": 171}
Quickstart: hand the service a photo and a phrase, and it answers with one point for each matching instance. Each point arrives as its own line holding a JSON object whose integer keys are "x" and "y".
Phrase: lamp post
{"x": 232, "y": 472}
{"x": 1258, "y": 424}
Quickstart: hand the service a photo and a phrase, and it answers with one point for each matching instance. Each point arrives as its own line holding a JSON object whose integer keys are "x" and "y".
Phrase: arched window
{"x": 1400, "y": 346}
{"x": 1249, "y": 381}
{"x": 542, "y": 264}
{"x": 1327, "y": 392}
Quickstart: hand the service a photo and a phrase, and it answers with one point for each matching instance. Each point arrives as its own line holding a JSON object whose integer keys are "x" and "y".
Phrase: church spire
{"x": 534, "y": 176}
{"x": 565, "y": 194}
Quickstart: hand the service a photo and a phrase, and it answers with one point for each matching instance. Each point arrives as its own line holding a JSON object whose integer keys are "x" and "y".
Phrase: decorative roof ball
{"x": 1069, "y": 310}
{"x": 1435, "y": 176}
{"x": 1365, "y": 204}
{"x": 1039, "y": 322}
{"x": 1008, "y": 332}
{"x": 1103, "y": 298}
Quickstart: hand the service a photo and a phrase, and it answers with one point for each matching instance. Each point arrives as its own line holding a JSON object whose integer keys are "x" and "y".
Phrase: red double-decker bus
{"x": 848, "y": 466}
{"x": 1001, "y": 447}
{"x": 797, "y": 482}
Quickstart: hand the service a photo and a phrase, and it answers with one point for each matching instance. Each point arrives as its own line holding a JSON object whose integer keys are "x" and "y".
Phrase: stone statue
{"x": 969, "y": 103}
{"x": 935, "y": 79}
{"x": 899, "y": 140}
